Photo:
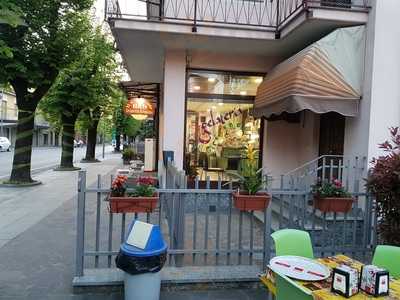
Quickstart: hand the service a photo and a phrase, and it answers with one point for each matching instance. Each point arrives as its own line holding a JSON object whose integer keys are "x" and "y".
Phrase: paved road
{"x": 43, "y": 158}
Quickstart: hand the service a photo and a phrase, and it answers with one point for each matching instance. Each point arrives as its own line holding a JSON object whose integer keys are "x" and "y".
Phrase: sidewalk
{"x": 21, "y": 208}
{"x": 38, "y": 245}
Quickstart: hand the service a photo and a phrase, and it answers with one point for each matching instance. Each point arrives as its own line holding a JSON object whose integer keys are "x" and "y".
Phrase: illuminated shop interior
{"x": 221, "y": 133}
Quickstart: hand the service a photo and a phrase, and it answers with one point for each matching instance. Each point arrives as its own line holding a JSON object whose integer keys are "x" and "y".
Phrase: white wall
{"x": 173, "y": 114}
{"x": 385, "y": 89}
{"x": 231, "y": 62}
{"x": 289, "y": 145}
{"x": 380, "y": 106}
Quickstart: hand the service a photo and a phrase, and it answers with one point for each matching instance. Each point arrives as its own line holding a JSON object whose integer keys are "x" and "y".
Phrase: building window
{"x": 220, "y": 128}
{"x": 4, "y": 110}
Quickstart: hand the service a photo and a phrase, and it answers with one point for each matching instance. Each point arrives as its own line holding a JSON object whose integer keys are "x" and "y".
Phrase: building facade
{"x": 239, "y": 77}
{"x": 43, "y": 135}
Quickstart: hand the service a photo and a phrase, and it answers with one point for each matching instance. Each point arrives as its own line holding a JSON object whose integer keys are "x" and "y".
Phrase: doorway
{"x": 331, "y": 134}
{"x": 331, "y": 144}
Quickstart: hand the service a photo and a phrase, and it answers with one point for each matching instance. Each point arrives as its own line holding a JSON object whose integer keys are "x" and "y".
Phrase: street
{"x": 45, "y": 158}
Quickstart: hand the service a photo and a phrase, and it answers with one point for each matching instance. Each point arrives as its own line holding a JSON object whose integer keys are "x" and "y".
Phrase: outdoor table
{"x": 321, "y": 290}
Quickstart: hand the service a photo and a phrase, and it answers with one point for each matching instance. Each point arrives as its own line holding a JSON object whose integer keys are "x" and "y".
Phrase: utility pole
{"x": 104, "y": 146}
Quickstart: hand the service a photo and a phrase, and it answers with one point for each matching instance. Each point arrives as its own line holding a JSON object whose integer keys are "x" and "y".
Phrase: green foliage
{"x": 105, "y": 127}
{"x": 131, "y": 126}
{"x": 384, "y": 182}
{"x": 252, "y": 182}
{"x": 145, "y": 187}
{"x": 147, "y": 129}
{"x": 128, "y": 154}
{"x": 87, "y": 85}
{"x": 330, "y": 189}
{"x": 10, "y": 14}
{"x": 143, "y": 191}
{"x": 48, "y": 39}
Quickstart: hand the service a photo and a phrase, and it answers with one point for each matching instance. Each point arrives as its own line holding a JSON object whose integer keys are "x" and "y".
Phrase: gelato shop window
{"x": 221, "y": 133}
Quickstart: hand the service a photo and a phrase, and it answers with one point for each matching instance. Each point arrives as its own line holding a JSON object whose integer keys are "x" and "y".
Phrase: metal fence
{"x": 202, "y": 227}
{"x": 270, "y": 15}
{"x": 350, "y": 170}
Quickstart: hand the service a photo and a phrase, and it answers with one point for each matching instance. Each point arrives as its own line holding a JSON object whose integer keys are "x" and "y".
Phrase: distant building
{"x": 43, "y": 134}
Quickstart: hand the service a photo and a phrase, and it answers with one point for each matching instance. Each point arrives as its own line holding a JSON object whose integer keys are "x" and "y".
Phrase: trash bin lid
{"x": 155, "y": 244}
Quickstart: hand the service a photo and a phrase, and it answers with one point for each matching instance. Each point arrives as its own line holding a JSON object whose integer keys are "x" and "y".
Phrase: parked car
{"x": 4, "y": 144}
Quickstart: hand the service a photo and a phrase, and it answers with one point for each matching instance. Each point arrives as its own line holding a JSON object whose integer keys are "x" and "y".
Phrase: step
{"x": 174, "y": 275}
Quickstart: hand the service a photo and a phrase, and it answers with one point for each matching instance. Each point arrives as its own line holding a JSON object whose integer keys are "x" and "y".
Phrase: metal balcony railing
{"x": 269, "y": 15}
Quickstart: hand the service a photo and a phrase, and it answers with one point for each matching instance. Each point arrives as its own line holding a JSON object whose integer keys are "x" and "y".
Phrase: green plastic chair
{"x": 287, "y": 289}
{"x": 388, "y": 257}
{"x": 293, "y": 242}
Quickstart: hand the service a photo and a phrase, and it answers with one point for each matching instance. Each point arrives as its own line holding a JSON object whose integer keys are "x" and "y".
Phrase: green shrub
{"x": 128, "y": 154}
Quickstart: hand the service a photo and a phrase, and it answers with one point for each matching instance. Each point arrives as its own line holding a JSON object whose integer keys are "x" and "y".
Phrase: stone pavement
{"x": 37, "y": 226}
{"x": 20, "y": 208}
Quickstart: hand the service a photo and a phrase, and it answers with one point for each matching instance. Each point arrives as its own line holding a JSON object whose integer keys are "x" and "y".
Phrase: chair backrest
{"x": 286, "y": 289}
{"x": 293, "y": 242}
{"x": 388, "y": 257}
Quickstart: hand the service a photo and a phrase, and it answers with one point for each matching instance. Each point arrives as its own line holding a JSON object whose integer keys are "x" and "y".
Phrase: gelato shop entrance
{"x": 221, "y": 133}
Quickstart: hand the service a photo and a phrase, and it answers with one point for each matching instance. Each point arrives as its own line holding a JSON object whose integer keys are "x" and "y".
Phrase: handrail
{"x": 311, "y": 162}
{"x": 268, "y": 14}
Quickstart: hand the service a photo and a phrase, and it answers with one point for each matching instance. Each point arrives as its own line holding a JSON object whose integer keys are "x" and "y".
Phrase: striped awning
{"x": 325, "y": 76}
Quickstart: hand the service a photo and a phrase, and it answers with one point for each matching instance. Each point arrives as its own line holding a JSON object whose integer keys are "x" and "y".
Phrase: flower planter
{"x": 246, "y": 202}
{"x": 333, "y": 204}
{"x": 133, "y": 204}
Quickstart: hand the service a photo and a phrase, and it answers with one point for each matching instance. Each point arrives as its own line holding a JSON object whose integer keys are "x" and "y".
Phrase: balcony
{"x": 277, "y": 28}
{"x": 267, "y": 15}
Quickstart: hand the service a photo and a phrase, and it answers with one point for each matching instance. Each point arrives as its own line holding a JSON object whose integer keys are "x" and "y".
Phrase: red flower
{"x": 337, "y": 183}
{"x": 146, "y": 181}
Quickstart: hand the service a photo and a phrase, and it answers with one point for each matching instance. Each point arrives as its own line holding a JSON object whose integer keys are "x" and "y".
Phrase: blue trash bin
{"x": 142, "y": 280}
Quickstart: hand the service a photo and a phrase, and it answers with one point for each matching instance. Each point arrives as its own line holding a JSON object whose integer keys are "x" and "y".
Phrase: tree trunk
{"x": 21, "y": 168}
{"x": 68, "y": 133}
{"x": 91, "y": 141}
{"x": 27, "y": 103}
{"x": 117, "y": 141}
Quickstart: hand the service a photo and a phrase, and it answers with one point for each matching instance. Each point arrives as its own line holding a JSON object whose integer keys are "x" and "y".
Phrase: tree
{"x": 48, "y": 41}
{"x": 147, "y": 129}
{"x": 93, "y": 117}
{"x": 83, "y": 89}
{"x": 131, "y": 127}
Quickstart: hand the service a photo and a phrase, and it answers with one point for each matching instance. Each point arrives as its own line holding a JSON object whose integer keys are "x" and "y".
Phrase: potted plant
{"x": 332, "y": 197}
{"x": 250, "y": 197}
{"x": 128, "y": 154}
{"x": 144, "y": 197}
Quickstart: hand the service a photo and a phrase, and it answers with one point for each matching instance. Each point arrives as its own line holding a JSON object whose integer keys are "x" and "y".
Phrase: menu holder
{"x": 345, "y": 281}
{"x": 374, "y": 281}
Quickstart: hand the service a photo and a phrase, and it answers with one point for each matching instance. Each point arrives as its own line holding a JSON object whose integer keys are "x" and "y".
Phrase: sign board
{"x": 138, "y": 106}
{"x": 139, "y": 235}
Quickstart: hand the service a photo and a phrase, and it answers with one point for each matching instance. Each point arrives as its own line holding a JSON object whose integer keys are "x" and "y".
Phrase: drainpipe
{"x": 194, "y": 28}
{"x": 277, "y": 31}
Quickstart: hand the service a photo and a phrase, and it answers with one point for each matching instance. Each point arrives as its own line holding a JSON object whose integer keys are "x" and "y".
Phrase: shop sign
{"x": 205, "y": 135}
{"x": 139, "y": 108}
